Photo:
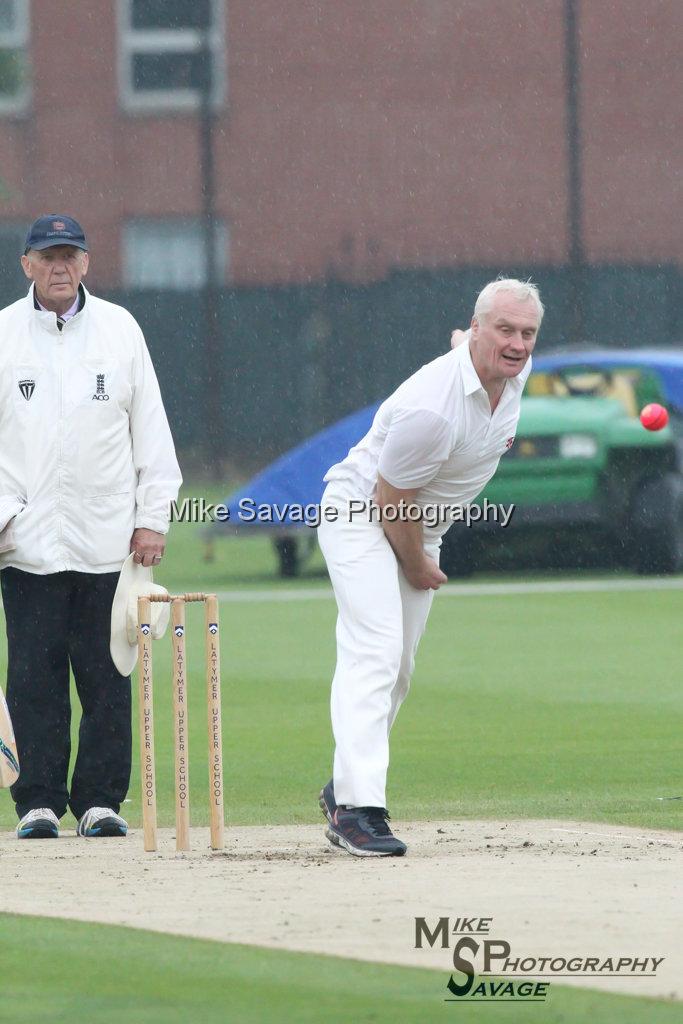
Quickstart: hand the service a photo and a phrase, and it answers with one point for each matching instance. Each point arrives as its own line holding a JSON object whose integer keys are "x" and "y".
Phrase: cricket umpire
{"x": 433, "y": 445}
{"x": 87, "y": 471}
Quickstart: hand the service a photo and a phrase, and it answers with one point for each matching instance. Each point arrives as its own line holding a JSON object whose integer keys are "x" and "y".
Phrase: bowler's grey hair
{"x": 520, "y": 290}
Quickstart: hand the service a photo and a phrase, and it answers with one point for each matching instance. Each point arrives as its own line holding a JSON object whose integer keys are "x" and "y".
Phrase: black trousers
{"x": 53, "y": 622}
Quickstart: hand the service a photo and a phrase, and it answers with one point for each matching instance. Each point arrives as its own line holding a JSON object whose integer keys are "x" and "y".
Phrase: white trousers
{"x": 380, "y": 621}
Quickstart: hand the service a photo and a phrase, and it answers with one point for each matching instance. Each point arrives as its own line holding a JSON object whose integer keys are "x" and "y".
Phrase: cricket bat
{"x": 9, "y": 762}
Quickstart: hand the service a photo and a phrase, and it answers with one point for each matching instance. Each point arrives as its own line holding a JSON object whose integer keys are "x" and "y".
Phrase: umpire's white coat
{"x": 86, "y": 453}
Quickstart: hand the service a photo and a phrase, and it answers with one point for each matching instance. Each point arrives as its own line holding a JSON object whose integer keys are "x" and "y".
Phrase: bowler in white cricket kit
{"x": 434, "y": 445}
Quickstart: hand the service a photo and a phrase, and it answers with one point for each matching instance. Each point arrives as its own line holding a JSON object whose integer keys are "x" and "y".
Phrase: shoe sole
{"x": 105, "y": 832}
{"x": 38, "y": 833}
{"x": 356, "y": 851}
{"x": 322, "y": 803}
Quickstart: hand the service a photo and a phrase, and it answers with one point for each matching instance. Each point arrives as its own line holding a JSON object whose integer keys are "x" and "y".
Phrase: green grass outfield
{"x": 523, "y": 705}
{"x": 562, "y": 705}
{"x": 103, "y": 974}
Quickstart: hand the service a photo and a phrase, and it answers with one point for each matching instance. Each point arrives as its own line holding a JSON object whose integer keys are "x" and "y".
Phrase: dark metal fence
{"x": 293, "y": 359}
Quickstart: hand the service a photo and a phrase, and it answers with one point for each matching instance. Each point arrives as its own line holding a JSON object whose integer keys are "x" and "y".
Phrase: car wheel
{"x": 287, "y": 549}
{"x": 657, "y": 526}
{"x": 458, "y": 556}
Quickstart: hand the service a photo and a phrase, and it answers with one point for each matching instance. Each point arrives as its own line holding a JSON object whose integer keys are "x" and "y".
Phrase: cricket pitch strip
{"x": 552, "y": 888}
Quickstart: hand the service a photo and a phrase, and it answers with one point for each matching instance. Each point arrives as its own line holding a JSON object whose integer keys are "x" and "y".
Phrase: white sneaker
{"x": 40, "y": 823}
{"x": 101, "y": 821}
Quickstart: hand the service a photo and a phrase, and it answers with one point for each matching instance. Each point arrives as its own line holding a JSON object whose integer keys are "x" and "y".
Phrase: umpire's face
{"x": 504, "y": 337}
{"x": 57, "y": 273}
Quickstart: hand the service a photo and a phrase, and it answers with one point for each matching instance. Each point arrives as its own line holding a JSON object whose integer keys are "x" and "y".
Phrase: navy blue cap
{"x": 55, "y": 229}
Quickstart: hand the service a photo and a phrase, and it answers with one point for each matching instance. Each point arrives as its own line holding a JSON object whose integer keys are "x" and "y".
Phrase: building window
{"x": 161, "y": 53}
{"x": 12, "y": 241}
{"x": 169, "y": 253}
{"x": 14, "y": 79}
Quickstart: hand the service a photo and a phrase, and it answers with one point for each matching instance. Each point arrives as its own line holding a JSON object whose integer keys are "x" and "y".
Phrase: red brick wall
{"x": 383, "y": 134}
{"x": 633, "y": 129}
{"x": 365, "y": 135}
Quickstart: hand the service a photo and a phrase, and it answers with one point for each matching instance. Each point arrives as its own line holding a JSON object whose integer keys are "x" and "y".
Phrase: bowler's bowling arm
{"x": 459, "y": 337}
{"x": 406, "y": 536}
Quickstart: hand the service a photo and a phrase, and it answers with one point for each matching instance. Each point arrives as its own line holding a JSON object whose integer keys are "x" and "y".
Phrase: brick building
{"x": 354, "y": 136}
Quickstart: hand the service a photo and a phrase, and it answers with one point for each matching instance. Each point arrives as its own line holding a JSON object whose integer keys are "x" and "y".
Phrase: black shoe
{"x": 328, "y": 805}
{"x": 364, "y": 832}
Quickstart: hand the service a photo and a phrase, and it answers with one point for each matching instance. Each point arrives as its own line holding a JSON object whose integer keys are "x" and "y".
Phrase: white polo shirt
{"x": 436, "y": 433}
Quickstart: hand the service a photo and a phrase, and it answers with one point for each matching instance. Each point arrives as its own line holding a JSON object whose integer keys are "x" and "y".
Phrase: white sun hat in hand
{"x": 135, "y": 581}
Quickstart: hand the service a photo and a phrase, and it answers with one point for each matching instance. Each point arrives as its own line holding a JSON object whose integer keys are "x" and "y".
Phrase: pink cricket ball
{"x": 654, "y": 417}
